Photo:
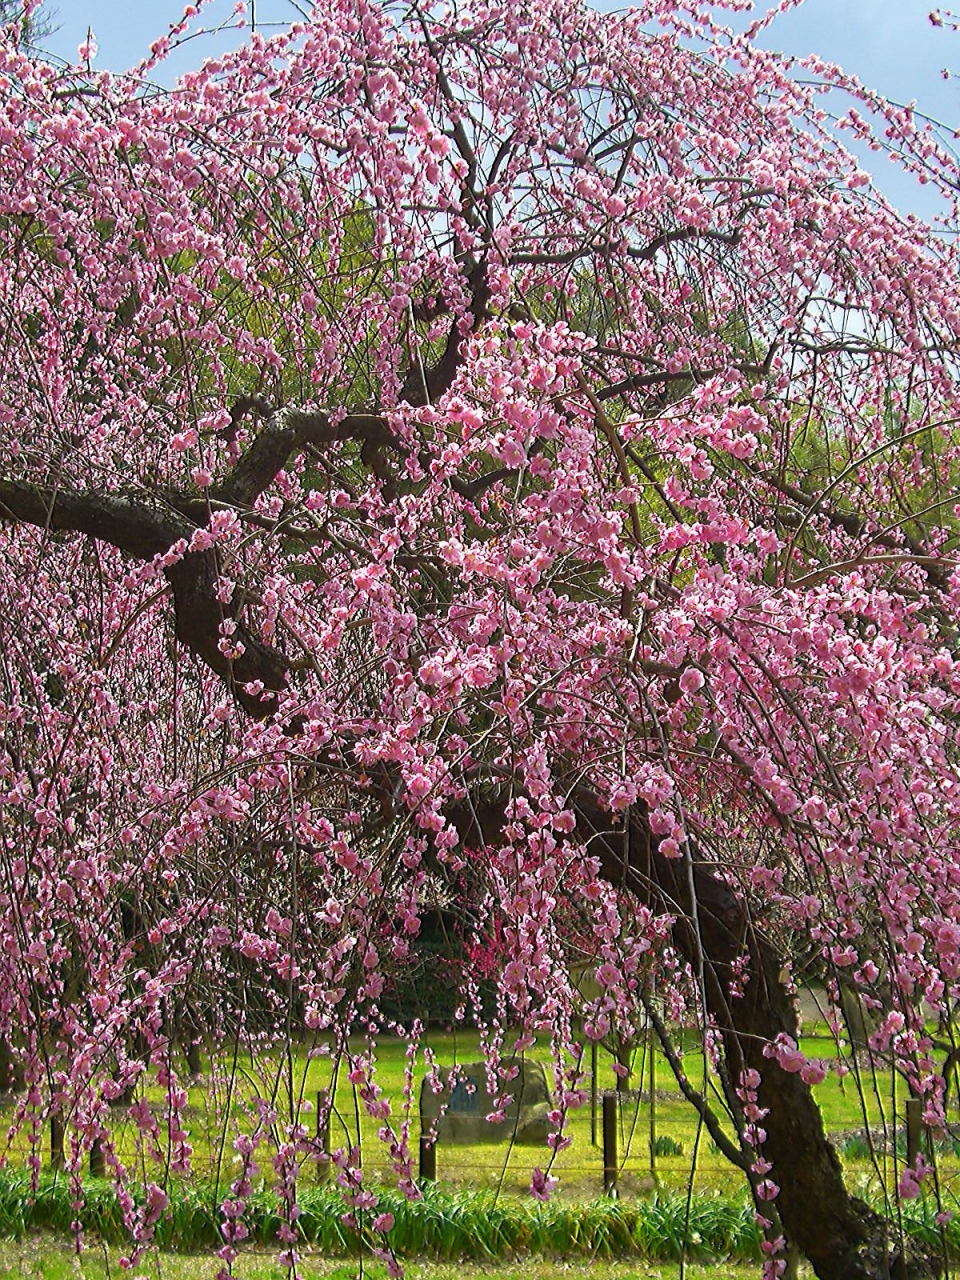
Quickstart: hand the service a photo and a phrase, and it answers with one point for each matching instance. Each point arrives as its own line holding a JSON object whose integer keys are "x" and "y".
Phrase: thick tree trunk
{"x": 842, "y": 1238}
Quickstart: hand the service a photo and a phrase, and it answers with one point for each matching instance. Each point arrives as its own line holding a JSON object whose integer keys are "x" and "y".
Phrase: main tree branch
{"x": 713, "y": 932}
{"x": 145, "y": 529}
{"x": 285, "y": 434}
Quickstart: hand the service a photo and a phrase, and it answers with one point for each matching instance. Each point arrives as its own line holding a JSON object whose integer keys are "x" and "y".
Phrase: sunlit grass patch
{"x": 46, "y": 1259}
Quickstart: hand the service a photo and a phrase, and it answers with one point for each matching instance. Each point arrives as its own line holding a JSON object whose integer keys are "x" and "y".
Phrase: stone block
{"x": 468, "y": 1102}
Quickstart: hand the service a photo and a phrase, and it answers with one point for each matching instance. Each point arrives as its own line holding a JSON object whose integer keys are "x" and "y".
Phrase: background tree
{"x": 492, "y": 454}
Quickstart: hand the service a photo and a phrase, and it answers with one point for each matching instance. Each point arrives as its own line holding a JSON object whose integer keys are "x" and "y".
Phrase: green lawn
{"x": 42, "y": 1258}
{"x": 219, "y": 1108}
{"x": 579, "y": 1168}
{"x": 215, "y": 1110}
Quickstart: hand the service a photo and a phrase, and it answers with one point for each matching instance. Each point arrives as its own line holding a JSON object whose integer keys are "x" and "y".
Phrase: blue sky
{"x": 889, "y": 44}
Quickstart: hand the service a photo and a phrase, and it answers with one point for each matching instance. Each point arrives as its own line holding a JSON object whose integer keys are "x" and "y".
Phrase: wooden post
{"x": 914, "y": 1114}
{"x": 428, "y": 1159}
{"x": 611, "y": 1107}
{"x": 893, "y": 1106}
{"x": 8, "y": 1075}
{"x": 323, "y": 1136}
{"x": 653, "y": 1105}
{"x": 594, "y": 1093}
{"x": 194, "y": 1059}
{"x": 57, "y": 1158}
{"x": 98, "y": 1160}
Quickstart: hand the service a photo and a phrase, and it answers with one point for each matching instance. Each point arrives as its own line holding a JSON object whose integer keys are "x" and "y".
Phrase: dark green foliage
{"x": 428, "y": 986}
{"x": 667, "y": 1146}
{"x": 856, "y": 1147}
{"x": 444, "y": 1225}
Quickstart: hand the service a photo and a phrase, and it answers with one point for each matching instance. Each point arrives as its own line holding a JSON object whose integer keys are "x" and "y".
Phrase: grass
{"x": 43, "y": 1259}
{"x": 445, "y": 1226}
{"x": 215, "y": 1114}
{"x": 462, "y": 1217}
{"x": 474, "y": 1223}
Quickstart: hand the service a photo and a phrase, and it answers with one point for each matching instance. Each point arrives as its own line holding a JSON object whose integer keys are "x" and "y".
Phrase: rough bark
{"x": 200, "y": 614}
{"x": 11, "y": 1077}
{"x": 842, "y": 1238}
{"x": 144, "y": 528}
{"x": 145, "y": 525}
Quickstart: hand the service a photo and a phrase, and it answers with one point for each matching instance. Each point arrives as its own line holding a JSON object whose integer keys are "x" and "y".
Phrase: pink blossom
{"x": 691, "y": 680}
{"x": 418, "y": 785}
{"x": 813, "y": 1072}
{"x": 542, "y": 1184}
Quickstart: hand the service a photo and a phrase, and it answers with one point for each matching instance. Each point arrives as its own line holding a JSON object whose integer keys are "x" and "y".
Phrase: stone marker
{"x": 469, "y": 1102}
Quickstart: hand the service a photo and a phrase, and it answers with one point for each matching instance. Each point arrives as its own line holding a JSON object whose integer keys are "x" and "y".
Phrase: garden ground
{"x": 851, "y": 1101}
{"x": 214, "y": 1116}
{"x": 42, "y": 1259}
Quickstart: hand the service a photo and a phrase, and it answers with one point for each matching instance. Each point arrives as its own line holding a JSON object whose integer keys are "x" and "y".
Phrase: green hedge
{"x": 444, "y": 1225}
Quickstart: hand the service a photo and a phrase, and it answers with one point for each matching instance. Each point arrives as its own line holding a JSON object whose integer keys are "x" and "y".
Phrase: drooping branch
{"x": 854, "y": 523}
{"x": 696, "y": 1099}
{"x": 143, "y": 528}
{"x": 749, "y": 1007}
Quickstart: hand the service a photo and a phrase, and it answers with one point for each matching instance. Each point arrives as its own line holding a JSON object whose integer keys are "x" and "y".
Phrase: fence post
{"x": 914, "y": 1113}
{"x": 98, "y": 1160}
{"x": 57, "y": 1159}
{"x": 611, "y": 1107}
{"x": 428, "y": 1158}
{"x": 652, "y": 1049}
{"x": 594, "y": 1093}
{"x": 323, "y": 1136}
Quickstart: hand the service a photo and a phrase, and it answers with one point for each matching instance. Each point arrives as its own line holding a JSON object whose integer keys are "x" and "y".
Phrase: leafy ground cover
{"x": 446, "y": 1226}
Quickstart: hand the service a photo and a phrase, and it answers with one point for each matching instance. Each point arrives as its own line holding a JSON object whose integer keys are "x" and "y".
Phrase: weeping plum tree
{"x": 502, "y": 454}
